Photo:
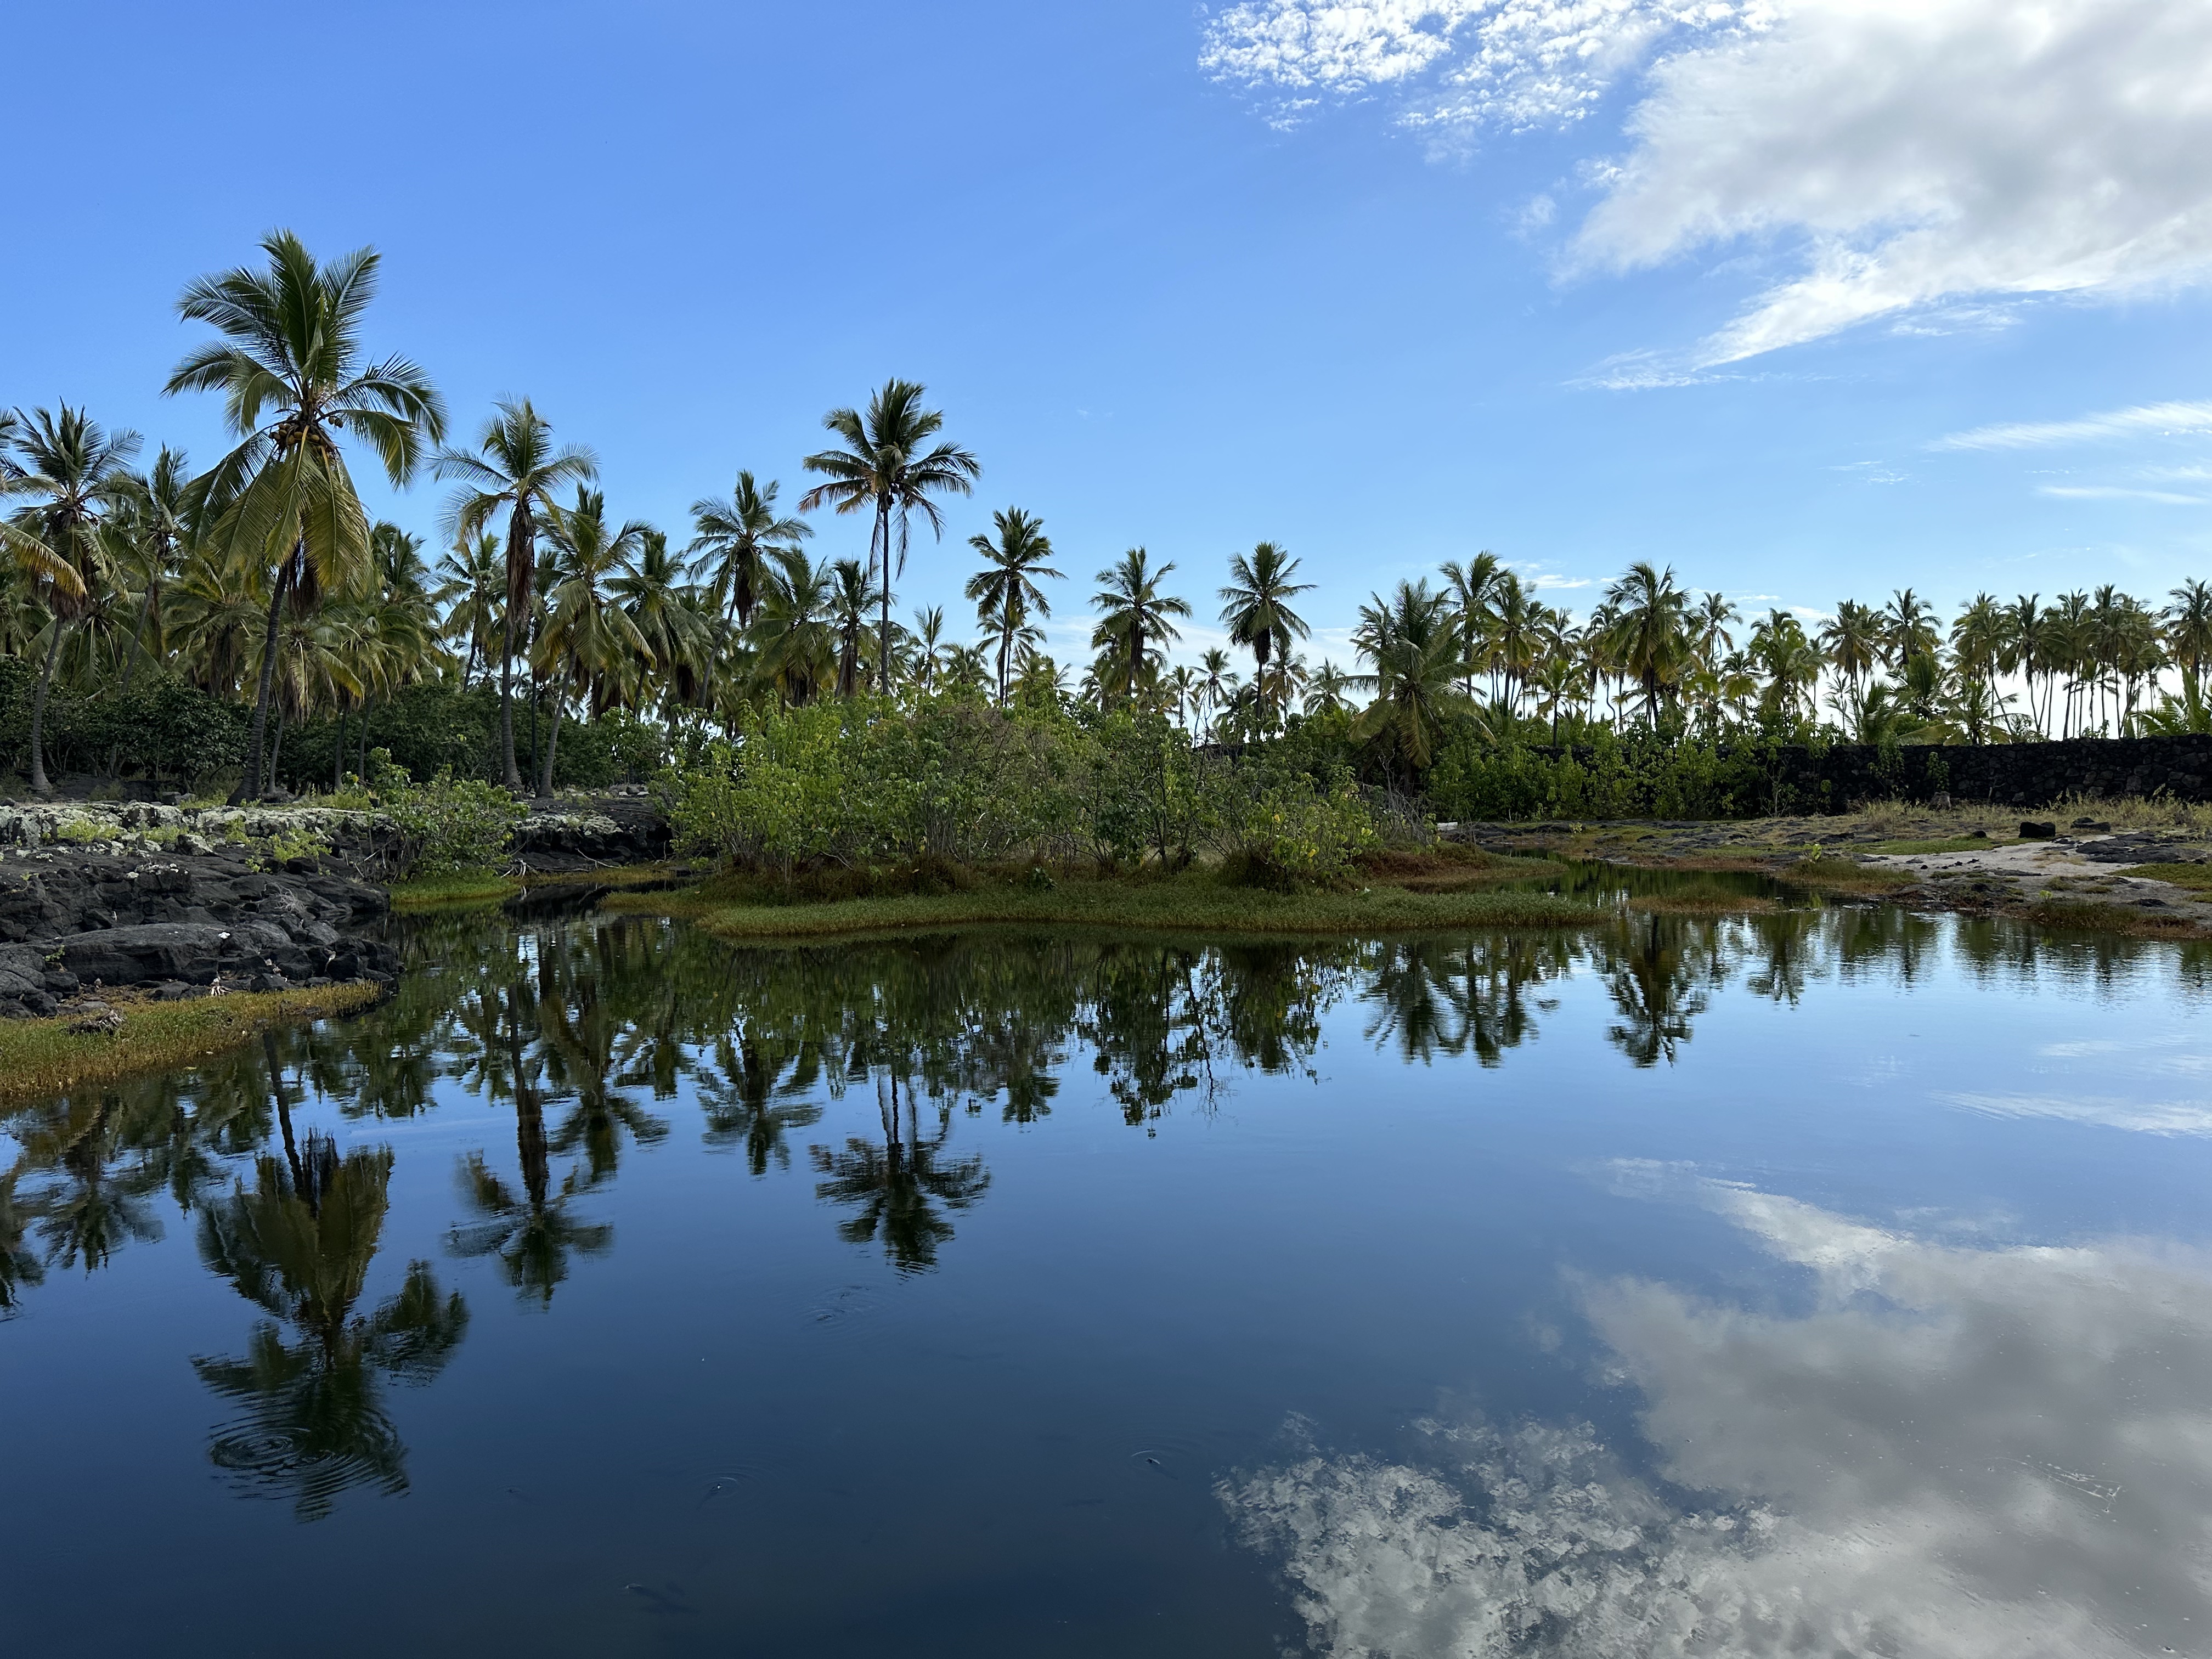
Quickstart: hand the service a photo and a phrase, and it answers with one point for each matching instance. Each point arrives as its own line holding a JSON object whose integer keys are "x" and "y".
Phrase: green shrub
{"x": 448, "y": 824}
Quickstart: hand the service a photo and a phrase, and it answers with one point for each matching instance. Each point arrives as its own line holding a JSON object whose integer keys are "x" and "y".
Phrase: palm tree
{"x": 734, "y": 540}
{"x": 678, "y": 637}
{"x": 72, "y": 468}
{"x": 1133, "y": 618}
{"x": 472, "y": 593}
{"x": 2189, "y": 637}
{"x": 1415, "y": 648}
{"x": 588, "y": 638}
{"x": 850, "y": 598}
{"x": 1908, "y": 628}
{"x": 1215, "y": 683}
{"x": 1324, "y": 691}
{"x": 884, "y": 469}
{"x": 516, "y": 467}
{"x": 1853, "y": 641}
{"x": 150, "y": 525}
{"x": 1471, "y": 586}
{"x": 284, "y": 500}
{"x": 928, "y": 636}
{"x": 1650, "y": 632}
{"x": 1006, "y": 586}
{"x": 796, "y": 643}
{"x": 1256, "y": 605}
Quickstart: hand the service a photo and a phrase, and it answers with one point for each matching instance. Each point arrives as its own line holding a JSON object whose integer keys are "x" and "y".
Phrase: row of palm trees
{"x": 264, "y": 579}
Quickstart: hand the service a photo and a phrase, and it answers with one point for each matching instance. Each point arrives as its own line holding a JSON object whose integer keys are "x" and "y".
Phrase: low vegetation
{"x": 41, "y": 1057}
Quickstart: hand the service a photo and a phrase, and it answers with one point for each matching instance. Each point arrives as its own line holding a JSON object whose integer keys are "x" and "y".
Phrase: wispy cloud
{"x": 2119, "y": 493}
{"x": 2164, "y": 420}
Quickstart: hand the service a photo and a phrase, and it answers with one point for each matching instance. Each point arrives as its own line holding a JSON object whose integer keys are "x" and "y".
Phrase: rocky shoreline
{"x": 172, "y": 901}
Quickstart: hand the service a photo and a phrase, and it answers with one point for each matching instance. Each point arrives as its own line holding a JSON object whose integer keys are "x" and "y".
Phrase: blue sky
{"x": 1807, "y": 299}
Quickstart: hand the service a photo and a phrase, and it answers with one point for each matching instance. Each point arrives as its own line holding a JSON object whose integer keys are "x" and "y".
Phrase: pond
{"x": 1824, "y": 1280}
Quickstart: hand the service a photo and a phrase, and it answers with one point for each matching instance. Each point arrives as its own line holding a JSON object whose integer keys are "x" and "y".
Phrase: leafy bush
{"x": 449, "y": 823}
{"x": 1640, "y": 774}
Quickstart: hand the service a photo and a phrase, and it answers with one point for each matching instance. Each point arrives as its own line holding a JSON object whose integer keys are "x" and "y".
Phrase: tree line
{"x": 263, "y": 584}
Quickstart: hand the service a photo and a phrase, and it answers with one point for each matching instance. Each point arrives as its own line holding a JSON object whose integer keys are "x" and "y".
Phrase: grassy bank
{"x": 470, "y": 890}
{"x": 1199, "y": 902}
{"x": 39, "y": 1057}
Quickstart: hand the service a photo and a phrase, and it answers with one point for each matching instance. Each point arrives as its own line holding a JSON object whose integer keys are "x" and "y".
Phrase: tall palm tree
{"x": 1909, "y": 628}
{"x": 71, "y": 468}
{"x": 2189, "y": 636}
{"x": 1135, "y": 618}
{"x": 735, "y": 538}
{"x": 471, "y": 593}
{"x": 1216, "y": 685}
{"x": 1650, "y": 632}
{"x": 149, "y": 526}
{"x": 1853, "y": 640}
{"x": 885, "y": 469}
{"x": 1471, "y": 586}
{"x": 588, "y": 639}
{"x": 679, "y": 638}
{"x": 796, "y": 643}
{"x": 928, "y": 636}
{"x": 1414, "y": 645}
{"x": 1256, "y": 606}
{"x": 284, "y": 500}
{"x": 850, "y": 598}
{"x": 1006, "y": 586}
{"x": 515, "y": 467}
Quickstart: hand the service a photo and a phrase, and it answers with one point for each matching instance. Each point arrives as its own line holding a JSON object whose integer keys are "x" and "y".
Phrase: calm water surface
{"x": 1823, "y": 1282}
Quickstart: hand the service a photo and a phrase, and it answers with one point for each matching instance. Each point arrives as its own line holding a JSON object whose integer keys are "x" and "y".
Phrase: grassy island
{"x": 41, "y": 1057}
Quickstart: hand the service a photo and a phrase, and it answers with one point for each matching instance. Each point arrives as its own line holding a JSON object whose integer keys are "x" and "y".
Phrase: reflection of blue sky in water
{"x": 1955, "y": 1452}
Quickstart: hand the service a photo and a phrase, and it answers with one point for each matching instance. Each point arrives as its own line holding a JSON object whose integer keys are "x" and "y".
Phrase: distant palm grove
{"x": 245, "y": 621}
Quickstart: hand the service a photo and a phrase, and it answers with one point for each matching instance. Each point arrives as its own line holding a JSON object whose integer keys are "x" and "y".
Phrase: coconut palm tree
{"x": 1216, "y": 683}
{"x": 470, "y": 594}
{"x": 928, "y": 636}
{"x": 515, "y": 468}
{"x": 283, "y": 501}
{"x": 2189, "y": 637}
{"x": 678, "y": 636}
{"x": 735, "y": 537}
{"x": 1134, "y": 619}
{"x": 1908, "y": 629}
{"x": 588, "y": 639}
{"x": 1255, "y": 606}
{"x": 888, "y": 468}
{"x": 1471, "y": 586}
{"x": 1650, "y": 632}
{"x": 71, "y": 469}
{"x": 1853, "y": 641}
{"x": 1414, "y": 645}
{"x": 1006, "y": 588}
{"x": 149, "y": 527}
{"x": 851, "y": 596}
{"x": 796, "y": 643}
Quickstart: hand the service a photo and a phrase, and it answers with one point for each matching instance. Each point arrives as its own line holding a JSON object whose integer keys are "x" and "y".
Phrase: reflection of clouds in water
{"x": 1955, "y": 1453}
{"x": 2151, "y": 1117}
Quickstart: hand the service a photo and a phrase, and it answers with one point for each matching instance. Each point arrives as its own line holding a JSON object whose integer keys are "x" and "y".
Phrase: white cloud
{"x": 2118, "y": 493}
{"x": 2154, "y": 1117}
{"x": 1904, "y": 155}
{"x": 1954, "y": 1453}
{"x": 2165, "y": 420}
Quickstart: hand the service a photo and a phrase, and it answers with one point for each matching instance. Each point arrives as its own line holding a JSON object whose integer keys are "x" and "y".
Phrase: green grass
{"x": 1196, "y": 902}
{"x": 2196, "y": 876}
{"x": 466, "y": 890}
{"x": 39, "y": 1057}
{"x": 1835, "y": 875}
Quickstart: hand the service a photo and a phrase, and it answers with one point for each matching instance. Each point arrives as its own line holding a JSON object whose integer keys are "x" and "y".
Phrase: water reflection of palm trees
{"x": 753, "y": 1097}
{"x": 895, "y": 1188}
{"x": 298, "y": 1244}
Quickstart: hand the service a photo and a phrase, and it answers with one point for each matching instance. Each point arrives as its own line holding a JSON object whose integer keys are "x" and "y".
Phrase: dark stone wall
{"x": 2010, "y": 774}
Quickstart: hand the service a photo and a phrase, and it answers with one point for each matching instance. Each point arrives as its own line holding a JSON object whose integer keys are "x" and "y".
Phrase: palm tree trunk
{"x": 250, "y": 789}
{"x": 337, "y": 752}
{"x": 885, "y": 677}
{"x": 552, "y": 743}
{"x": 513, "y": 778}
{"x": 38, "y": 784}
{"x": 276, "y": 749}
